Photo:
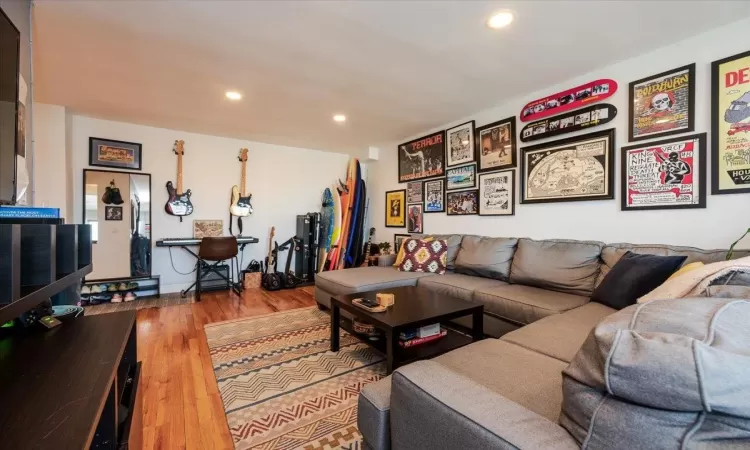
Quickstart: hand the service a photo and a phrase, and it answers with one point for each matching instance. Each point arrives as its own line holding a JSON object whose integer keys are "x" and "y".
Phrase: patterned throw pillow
{"x": 424, "y": 256}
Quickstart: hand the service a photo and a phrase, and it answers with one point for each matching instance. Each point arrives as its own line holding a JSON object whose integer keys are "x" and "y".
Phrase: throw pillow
{"x": 633, "y": 276}
{"x": 424, "y": 256}
{"x": 401, "y": 252}
{"x": 687, "y": 268}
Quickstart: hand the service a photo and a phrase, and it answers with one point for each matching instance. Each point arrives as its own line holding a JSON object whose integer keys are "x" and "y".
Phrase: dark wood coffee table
{"x": 414, "y": 307}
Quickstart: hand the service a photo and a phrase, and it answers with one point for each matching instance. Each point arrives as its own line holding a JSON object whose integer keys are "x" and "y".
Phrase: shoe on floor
{"x": 117, "y": 298}
{"x": 129, "y": 297}
{"x": 85, "y": 290}
{"x": 97, "y": 299}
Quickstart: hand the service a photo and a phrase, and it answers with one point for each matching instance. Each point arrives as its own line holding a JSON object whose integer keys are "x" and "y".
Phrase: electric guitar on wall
{"x": 241, "y": 206}
{"x": 368, "y": 248}
{"x": 179, "y": 200}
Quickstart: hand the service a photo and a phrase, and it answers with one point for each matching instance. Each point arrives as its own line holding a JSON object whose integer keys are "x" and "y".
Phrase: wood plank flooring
{"x": 180, "y": 406}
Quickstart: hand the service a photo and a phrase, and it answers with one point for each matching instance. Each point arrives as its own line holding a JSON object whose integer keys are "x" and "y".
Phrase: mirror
{"x": 117, "y": 205}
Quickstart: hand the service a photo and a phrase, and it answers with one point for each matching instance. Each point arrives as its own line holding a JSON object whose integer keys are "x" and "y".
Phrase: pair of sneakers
{"x": 128, "y": 297}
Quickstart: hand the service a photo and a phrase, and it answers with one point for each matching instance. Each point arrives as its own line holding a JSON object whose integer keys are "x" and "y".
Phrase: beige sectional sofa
{"x": 496, "y": 393}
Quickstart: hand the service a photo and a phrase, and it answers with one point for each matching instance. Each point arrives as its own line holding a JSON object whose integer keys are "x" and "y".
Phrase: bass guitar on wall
{"x": 179, "y": 201}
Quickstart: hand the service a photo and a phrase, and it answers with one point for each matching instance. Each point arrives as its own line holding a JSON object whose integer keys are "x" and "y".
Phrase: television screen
{"x": 10, "y": 40}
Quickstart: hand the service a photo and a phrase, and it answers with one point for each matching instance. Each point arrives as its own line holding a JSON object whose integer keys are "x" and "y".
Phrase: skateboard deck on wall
{"x": 583, "y": 95}
{"x": 326, "y": 226}
{"x": 580, "y": 119}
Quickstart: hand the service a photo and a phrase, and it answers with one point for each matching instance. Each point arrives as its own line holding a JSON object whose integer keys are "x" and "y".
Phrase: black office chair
{"x": 217, "y": 250}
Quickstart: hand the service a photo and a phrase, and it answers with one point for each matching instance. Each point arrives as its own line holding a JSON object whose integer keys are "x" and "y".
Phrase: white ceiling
{"x": 395, "y": 68}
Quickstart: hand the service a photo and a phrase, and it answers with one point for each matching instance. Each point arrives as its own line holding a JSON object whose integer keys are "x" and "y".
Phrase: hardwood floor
{"x": 180, "y": 406}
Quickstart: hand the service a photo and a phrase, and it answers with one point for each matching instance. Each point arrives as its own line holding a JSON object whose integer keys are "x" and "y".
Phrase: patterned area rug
{"x": 281, "y": 385}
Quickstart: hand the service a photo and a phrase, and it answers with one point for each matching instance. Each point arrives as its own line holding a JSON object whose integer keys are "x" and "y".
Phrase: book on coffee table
{"x": 421, "y": 332}
{"x": 419, "y": 341}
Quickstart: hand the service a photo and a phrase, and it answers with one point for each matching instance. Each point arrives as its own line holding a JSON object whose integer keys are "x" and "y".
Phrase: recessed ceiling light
{"x": 233, "y": 95}
{"x": 340, "y": 118}
{"x": 500, "y": 19}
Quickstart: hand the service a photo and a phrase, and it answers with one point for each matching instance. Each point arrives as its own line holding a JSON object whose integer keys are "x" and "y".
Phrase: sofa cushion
{"x": 486, "y": 257}
{"x": 424, "y": 256}
{"x": 611, "y": 253}
{"x": 373, "y": 413}
{"x": 560, "y": 336}
{"x": 682, "y": 365}
{"x": 559, "y": 265}
{"x": 454, "y": 244}
{"x": 528, "y": 378}
{"x": 457, "y": 285}
{"x": 525, "y": 304}
{"x": 360, "y": 279}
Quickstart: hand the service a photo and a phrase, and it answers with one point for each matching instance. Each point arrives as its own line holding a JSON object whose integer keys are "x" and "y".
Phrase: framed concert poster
{"x": 460, "y": 144}
{"x": 497, "y": 193}
{"x": 422, "y": 158}
{"x": 395, "y": 209}
{"x": 662, "y": 104}
{"x": 496, "y": 145}
{"x": 461, "y": 177}
{"x": 463, "y": 203}
{"x": 569, "y": 170}
{"x": 415, "y": 219}
{"x": 118, "y": 154}
{"x": 414, "y": 192}
{"x": 668, "y": 174}
{"x": 434, "y": 196}
{"x": 730, "y": 125}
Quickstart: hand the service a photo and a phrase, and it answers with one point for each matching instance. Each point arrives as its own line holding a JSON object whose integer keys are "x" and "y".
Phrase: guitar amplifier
{"x": 213, "y": 282}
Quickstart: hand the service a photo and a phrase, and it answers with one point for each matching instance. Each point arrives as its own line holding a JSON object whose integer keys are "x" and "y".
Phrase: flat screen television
{"x": 10, "y": 41}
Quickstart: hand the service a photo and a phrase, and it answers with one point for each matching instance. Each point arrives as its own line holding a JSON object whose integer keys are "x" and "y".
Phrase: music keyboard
{"x": 189, "y": 242}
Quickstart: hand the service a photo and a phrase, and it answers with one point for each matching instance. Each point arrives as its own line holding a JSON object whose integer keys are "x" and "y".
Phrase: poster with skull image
{"x": 662, "y": 104}
{"x": 669, "y": 174}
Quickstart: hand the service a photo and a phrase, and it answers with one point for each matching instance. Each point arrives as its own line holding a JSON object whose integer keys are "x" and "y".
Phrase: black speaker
{"x": 214, "y": 282}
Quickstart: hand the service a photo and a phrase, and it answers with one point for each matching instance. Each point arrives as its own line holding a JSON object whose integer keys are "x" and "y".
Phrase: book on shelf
{"x": 419, "y": 341}
{"x": 421, "y": 332}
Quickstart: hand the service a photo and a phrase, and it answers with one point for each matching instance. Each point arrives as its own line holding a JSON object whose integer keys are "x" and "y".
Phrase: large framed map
{"x": 569, "y": 170}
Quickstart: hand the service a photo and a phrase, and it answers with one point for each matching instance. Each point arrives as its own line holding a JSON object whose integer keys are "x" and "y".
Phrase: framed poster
{"x": 414, "y": 192}
{"x": 395, "y": 209}
{"x": 496, "y": 145}
{"x": 662, "y": 104}
{"x": 415, "y": 219}
{"x": 460, "y": 144}
{"x": 461, "y": 177}
{"x": 569, "y": 170}
{"x": 434, "y": 196}
{"x": 208, "y": 228}
{"x": 119, "y": 154}
{"x": 422, "y": 158}
{"x": 398, "y": 239}
{"x": 113, "y": 213}
{"x": 730, "y": 125}
{"x": 580, "y": 119}
{"x": 668, "y": 174}
{"x": 497, "y": 193}
{"x": 577, "y": 97}
{"x": 463, "y": 203}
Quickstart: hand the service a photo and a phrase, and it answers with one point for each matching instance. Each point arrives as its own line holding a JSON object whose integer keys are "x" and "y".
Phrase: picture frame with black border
{"x": 494, "y": 138}
{"x": 508, "y": 191}
{"x": 547, "y": 149}
{"x": 397, "y": 240}
{"x": 657, "y": 99}
{"x": 456, "y": 203}
{"x": 665, "y": 169}
{"x": 425, "y": 156}
{"x": 395, "y": 208}
{"x": 469, "y": 170}
{"x": 430, "y": 202}
{"x": 115, "y": 154}
{"x": 724, "y": 134}
{"x": 415, "y": 218}
{"x": 459, "y": 142}
{"x": 414, "y": 192}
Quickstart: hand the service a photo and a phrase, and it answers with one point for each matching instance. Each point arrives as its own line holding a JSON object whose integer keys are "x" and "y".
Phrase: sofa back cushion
{"x": 668, "y": 371}
{"x": 453, "y": 241}
{"x": 611, "y": 253}
{"x": 559, "y": 265}
{"x": 486, "y": 257}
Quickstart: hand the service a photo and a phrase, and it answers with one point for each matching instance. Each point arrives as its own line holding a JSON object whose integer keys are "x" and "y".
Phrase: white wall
{"x": 724, "y": 220}
{"x": 284, "y": 181}
{"x": 49, "y": 144}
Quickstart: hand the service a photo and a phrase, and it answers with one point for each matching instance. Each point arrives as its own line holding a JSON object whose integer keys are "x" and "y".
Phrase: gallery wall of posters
{"x": 730, "y": 125}
{"x": 395, "y": 209}
{"x": 569, "y": 122}
{"x": 497, "y": 193}
{"x": 461, "y": 177}
{"x": 496, "y": 145}
{"x": 463, "y": 203}
{"x": 668, "y": 174}
{"x": 415, "y": 216}
{"x": 662, "y": 104}
{"x": 574, "y": 169}
{"x": 414, "y": 192}
{"x": 460, "y": 144}
{"x": 422, "y": 158}
{"x": 434, "y": 196}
